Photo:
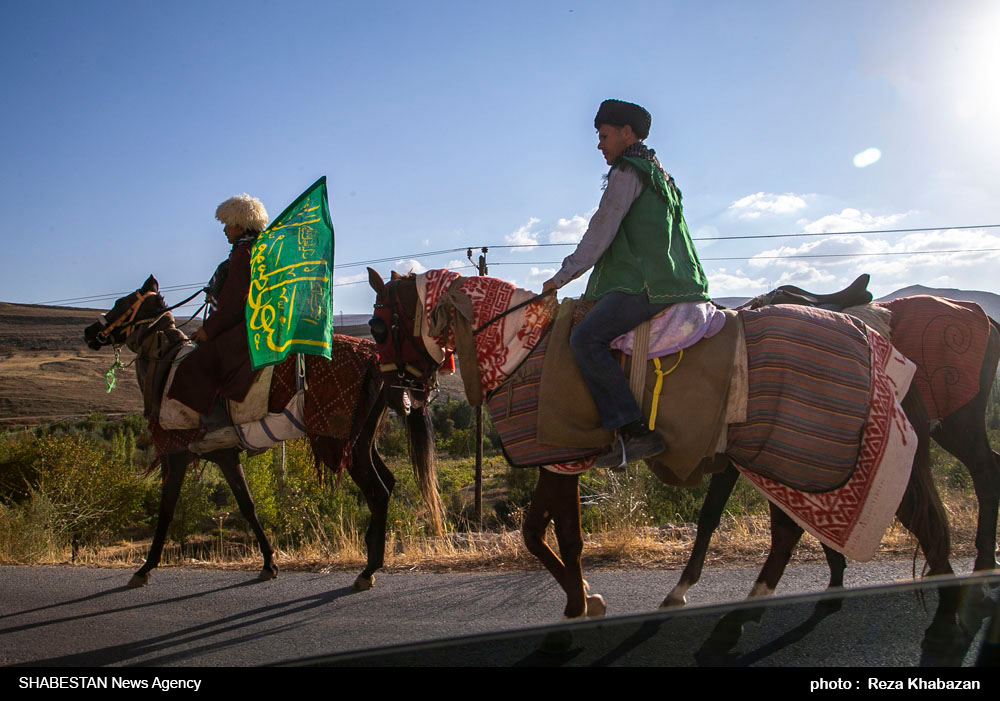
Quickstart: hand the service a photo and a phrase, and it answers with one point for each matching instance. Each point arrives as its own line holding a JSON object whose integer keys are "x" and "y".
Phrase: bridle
{"x": 391, "y": 326}
{"x": 127, "y": 321}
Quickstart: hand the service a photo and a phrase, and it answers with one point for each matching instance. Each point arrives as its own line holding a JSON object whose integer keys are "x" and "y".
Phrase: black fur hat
{"x": 618, "y": 113}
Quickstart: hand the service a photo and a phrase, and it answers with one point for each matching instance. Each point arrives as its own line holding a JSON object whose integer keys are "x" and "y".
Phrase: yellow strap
{"x": 659, "y": 386}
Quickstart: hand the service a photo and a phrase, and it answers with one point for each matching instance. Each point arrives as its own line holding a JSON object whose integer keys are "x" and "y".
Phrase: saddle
{"x": 175, "y": 415}
{"x": 695, "y": 401}
{"x": 853, "y": 295}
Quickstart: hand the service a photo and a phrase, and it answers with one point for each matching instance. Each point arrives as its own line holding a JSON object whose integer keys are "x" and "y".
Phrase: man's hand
{"x": 549, "y": 286}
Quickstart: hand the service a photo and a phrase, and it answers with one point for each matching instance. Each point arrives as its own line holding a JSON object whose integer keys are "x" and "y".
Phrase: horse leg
{"x": 232, "y": 470}
{"x": 785, "y": 535}
{"x": 557, "y": 497}
{"x": 963, "y": 434}
{"x": 719, "y": 490}
{"x": 920, "y": 510}
{"x": 376, "y": 482}
{"x": 837, "y": 563}
{"x": 174, "y": 466}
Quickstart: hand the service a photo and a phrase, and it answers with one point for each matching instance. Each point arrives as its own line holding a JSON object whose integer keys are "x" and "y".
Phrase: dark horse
{"x": 961, "y": 432}
{"x": 557, "y": 498}
{"x": 141, "y": 322}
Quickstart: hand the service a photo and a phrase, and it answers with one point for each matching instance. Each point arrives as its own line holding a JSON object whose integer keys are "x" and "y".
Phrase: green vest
{"x": 652, "y": 250}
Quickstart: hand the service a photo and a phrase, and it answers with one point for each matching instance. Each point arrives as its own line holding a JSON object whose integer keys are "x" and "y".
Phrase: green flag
{"x": 291, "y": 269}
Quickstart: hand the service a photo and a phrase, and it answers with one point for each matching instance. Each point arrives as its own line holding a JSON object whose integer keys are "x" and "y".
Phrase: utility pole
{"x": 479, "y": 413}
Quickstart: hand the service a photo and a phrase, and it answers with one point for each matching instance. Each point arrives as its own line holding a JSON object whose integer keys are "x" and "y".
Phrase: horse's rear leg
{"x": 837, "y": 563}
{"x": 785, "y": 535}
{"x": 232, "y": 470}
{"x": 557, "y": 498}
{"x": 174, "y": 467}
{"x": 963, "y": 434}
{"x": 719, "y": 490}
{"x": 921, "y": 511}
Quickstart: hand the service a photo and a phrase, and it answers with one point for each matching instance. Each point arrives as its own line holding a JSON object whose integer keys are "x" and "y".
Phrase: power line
{"x": 428, "y": 254}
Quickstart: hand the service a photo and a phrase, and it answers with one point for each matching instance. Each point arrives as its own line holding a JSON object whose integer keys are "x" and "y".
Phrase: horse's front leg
{"x": 376, "y": 482}
{"x": 719, "y": 490}
{"x": 174, "y": 467}
{"x": 557, "y": 498}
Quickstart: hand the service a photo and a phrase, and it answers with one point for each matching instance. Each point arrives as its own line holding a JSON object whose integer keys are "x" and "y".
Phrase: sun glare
{"x": 867, "y": 157}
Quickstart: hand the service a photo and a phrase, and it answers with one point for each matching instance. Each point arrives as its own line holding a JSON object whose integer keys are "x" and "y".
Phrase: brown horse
{"x": 404, "y": 354}
{"x": 961, "y": 432}
{"x": 142, "y": 322}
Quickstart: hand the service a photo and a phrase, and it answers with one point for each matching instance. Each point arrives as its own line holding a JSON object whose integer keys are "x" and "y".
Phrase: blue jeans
{"x": 614, "y": 314}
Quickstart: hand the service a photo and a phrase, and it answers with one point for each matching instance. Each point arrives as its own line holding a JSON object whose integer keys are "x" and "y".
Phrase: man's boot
{"x": 635, "y": 442}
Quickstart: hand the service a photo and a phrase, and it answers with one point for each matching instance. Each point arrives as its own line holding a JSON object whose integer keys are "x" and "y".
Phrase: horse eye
{"x": 380, "y": 330}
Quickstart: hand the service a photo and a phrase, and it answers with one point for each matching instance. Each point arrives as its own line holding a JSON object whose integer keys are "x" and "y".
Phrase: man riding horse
{"x": 219, "y": 368}
{"x": 643, "y": 260}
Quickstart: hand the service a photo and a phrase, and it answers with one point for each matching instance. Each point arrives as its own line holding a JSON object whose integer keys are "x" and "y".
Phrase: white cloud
{"x": 524, "y": 236}
{"x": 457, "y": 263}
{"x": 758, "y": 204}
{"x": 853, "y": 220}
{"x": 409, "y": 266}
{"x": 569, "y": 230}
{"x": 893, "y": 260}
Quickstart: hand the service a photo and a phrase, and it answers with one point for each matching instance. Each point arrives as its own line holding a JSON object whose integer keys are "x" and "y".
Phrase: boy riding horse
{"x": 643, "y": 260}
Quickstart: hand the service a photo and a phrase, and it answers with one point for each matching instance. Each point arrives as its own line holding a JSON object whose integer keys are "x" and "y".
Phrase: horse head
{"x": 404, "y": 359}
{"x": 115, "y": 326}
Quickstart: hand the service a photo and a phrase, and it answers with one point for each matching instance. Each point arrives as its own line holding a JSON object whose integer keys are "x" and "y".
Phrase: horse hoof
{"x": 363, "y": 583}
{"x": 268, "y": 573}
{"x": 672, "y": 602}
{"x": 139, "y": 580}
{"x": 596, "y": 607}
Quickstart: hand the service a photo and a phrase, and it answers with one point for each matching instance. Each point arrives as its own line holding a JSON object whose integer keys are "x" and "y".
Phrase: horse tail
{"x": 420, "y": 440}
{"x": 921, "y": 510}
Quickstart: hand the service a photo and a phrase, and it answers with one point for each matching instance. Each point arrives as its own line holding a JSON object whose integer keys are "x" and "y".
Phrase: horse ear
{"x": 151, "y": 285}
{"x": 395, "y": 276}
{"x": 375, "y": 280}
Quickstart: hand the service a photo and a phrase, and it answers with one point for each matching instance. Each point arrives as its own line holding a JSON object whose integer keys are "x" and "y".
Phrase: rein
{"x": 103, "y": 335}
{"x": 501, "y": 315}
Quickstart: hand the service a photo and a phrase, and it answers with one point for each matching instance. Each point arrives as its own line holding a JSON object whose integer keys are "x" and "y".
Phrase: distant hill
{"x": 47, "y": 372}
{"x": 987, "y": 300}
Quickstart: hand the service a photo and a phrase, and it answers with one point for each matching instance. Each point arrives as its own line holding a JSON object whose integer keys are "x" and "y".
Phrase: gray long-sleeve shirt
{"x": 623, "y": 188}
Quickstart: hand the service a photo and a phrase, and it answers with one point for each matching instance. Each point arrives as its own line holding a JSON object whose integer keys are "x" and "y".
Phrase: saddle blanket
{"x": 809, "y": 384}
{"x": 175, "y": 415}
{"x": 337, "y": 397}
{"x": 503, "y": 345}
{"x": 853, "y": 518}
{"x": 676, "y": 328}
{"x": 513, "y": 409}
{"x": 947, "y": 341}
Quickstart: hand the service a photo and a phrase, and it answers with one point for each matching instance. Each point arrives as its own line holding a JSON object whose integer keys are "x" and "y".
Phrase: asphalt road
{"x": 73, "y": 616}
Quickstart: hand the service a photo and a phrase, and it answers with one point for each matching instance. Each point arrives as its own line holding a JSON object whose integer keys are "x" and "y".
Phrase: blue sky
{"x": 447, "y": 125}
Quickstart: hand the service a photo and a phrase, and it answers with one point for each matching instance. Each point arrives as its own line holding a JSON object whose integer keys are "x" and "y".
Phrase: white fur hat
{"x": 243, "y": 211}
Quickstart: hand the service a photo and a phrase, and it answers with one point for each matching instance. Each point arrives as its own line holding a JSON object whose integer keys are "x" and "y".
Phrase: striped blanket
{"x": 853, "y": 518}
{"x": 809, "y": 377}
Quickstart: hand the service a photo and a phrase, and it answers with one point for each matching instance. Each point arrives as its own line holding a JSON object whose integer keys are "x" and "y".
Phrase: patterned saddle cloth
{"x": 337, "y": 394}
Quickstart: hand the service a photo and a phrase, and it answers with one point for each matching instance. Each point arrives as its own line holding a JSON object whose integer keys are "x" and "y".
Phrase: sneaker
{"x": 216, "y": 440}
{"x": 630, "y": 447}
